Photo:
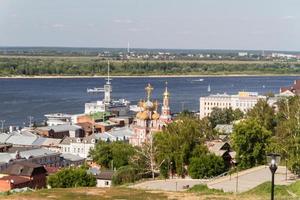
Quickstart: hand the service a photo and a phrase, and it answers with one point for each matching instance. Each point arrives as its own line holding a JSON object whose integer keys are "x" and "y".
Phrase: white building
{"x": 243, "y": 101}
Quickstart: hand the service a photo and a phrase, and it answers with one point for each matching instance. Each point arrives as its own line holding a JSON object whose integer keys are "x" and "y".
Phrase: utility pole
{"x": 2, "y": 125}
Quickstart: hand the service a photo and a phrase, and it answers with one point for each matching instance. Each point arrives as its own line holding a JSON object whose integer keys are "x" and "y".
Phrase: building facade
{"x": 243, "y": 101}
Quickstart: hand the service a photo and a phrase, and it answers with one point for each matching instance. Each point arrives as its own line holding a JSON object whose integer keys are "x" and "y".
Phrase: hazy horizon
{"x": 195, "y": 24}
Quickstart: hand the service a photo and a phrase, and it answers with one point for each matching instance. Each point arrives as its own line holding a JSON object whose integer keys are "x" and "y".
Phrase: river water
{"x": 21, "y": 98}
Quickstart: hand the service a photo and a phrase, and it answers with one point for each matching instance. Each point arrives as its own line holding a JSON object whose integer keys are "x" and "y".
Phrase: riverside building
{"x": 243, "y": 101}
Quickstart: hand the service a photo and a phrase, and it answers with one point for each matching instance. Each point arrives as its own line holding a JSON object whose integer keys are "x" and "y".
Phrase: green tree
{"x": 71, "y": 177}
{"x": 115, "y": 154}
{"x": 287, "y": 132}
{"x": 177, "y": 141}
{"x": 250, "y": 140}
{"x": 207, "y": 165}
{"x": 264, "y": 114}
{"x": 224, "y": 116}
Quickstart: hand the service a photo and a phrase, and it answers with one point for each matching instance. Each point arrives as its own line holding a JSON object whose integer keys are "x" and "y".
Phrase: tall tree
{"x": 264, "y": 114}
{"x": 250, "y": 140}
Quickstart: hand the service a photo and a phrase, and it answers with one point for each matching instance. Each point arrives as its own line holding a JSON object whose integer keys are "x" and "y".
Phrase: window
{"x": 106, "y": 183}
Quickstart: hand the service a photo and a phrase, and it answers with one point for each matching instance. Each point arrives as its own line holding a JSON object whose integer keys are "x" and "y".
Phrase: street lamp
{"x": 273, "y": 160}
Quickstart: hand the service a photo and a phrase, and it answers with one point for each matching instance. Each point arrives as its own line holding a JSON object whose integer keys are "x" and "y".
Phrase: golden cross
{"x": 149, "y": 90}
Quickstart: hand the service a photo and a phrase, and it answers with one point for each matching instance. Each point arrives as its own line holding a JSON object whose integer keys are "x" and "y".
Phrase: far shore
{"x": 144, "y": 76}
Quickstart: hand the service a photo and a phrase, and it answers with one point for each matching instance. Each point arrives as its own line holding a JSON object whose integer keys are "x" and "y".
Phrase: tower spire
{"x": 165, "y": 109}
{"x": 149, "y": 90}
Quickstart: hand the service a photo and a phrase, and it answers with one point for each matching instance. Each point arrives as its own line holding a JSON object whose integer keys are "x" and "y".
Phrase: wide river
{"x": 21, "y": 98}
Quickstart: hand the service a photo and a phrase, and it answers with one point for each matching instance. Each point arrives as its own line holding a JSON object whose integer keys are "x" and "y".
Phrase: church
{"x": 148, "y": 120}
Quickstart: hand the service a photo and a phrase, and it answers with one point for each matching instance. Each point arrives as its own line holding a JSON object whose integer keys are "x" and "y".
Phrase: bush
{"x": 126, "y": 174}
{"x": 205, "y": 166}
{"x": 71, "y": 177}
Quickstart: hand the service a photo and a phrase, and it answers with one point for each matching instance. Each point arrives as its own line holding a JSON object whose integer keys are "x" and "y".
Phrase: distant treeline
{"x": 32, "y": 66}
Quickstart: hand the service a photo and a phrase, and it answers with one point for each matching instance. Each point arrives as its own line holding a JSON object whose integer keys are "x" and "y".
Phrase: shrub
{"x": 126, "y": 174}
{"x": 71, "y": 177}
{"x": 205, "y": 166}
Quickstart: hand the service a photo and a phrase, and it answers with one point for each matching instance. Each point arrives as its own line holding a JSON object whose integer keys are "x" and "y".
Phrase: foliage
{"x": 116, "y": 154}
{"x": 207, "y": 165}
{"x": 71, "y": 177}
{"x": 264, "y": 114}
{"x": 125, "y": 174}
{"x": 287, "y": 131}
{"x": 224, "y": 116}
{"x": 176, "y": 143}
{"x": 96, "y": 66}
{"x": 250, "y": 140}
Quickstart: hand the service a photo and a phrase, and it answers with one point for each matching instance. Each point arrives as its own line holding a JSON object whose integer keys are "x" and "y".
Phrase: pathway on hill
{"x": 168, "y": 184}
{"x": 250, "y": 178}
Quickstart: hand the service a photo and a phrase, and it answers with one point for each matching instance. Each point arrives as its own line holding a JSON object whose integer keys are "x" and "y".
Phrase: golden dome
{"x": 138, "y": 115}
{"x": 155, "y": 116}
{"x": 144, "y": 115}
{"x": 148, "y": 105}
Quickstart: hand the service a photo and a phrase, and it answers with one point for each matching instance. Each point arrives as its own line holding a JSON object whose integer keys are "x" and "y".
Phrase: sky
{"x": 176, "y": 24}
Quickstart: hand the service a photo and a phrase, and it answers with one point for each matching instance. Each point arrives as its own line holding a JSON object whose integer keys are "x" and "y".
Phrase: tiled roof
{"x": 21, "y": 140}
{"x": 37, "y": 153}
{"x": 60, "y": 128}
{"x": 25, "y": 169}
{"x": 105, "y": 175}
{"x": 71, "y": 157}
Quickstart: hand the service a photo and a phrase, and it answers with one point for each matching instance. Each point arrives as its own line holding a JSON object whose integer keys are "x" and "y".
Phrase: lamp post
{"x": 273, "y": 160}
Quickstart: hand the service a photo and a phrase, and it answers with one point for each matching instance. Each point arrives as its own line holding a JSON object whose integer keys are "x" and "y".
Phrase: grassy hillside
{"x": 198, "y": 192}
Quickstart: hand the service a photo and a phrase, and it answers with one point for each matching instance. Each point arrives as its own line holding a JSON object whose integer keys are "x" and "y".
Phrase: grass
{"x": 203, "y": 189}
{"x": 280, "y": 191}
{"x": 198, "y": 192}
{"x": 87, "y": 194}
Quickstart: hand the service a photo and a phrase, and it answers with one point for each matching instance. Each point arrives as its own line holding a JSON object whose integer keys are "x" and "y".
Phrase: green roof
{"x": 100, "y": 115}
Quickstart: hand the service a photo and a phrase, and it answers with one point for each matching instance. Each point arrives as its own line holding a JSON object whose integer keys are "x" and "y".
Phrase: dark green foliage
{"x": 115, "y": 154}
{"x": 164, "y": 169}
{"x": 205, "y": 166}
{"x": 250, "y": 140}
{"x": 224, "y": 116}
{"x": 125, "y": 174}
{"x": 71, "y": 177}
{"x": 96, "y": 66}
{"x": 177, "y": 142}
{"x": 264, "y": 114}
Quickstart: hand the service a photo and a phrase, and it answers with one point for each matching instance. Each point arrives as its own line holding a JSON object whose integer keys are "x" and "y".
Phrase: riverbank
{"x": 147, "y": 76}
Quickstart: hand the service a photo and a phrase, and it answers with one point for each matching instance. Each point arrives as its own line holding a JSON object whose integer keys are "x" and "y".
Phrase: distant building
{"x": 243, "y": 101}
{"x": 23, "y": 174}
{"x": 243, "y": 54}
{"x": 60, "y": 131}
{"x": 290, "y": 90}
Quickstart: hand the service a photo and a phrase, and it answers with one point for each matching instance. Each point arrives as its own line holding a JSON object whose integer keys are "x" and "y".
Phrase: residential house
{"x": 23, "y": 174}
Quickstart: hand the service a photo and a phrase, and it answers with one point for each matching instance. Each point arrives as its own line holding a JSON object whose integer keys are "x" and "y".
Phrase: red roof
{"x": 295, "y": 88}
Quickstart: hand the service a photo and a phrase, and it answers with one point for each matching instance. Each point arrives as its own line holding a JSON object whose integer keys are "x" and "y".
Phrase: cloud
{"x": 58, "y": 25}
{"x": 288, "y": 17}
{"x": 123, "y": 21}
{"x": 136, "y": 29}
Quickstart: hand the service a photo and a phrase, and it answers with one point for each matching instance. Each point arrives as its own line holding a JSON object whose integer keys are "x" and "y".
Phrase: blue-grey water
{"x": 20, "y": 98}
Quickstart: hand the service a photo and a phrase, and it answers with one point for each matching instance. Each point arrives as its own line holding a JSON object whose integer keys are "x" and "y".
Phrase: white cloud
{"x": 58, "y": 25}
{"x": 288, "y": 17}
{"x": 123, "y": 21}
